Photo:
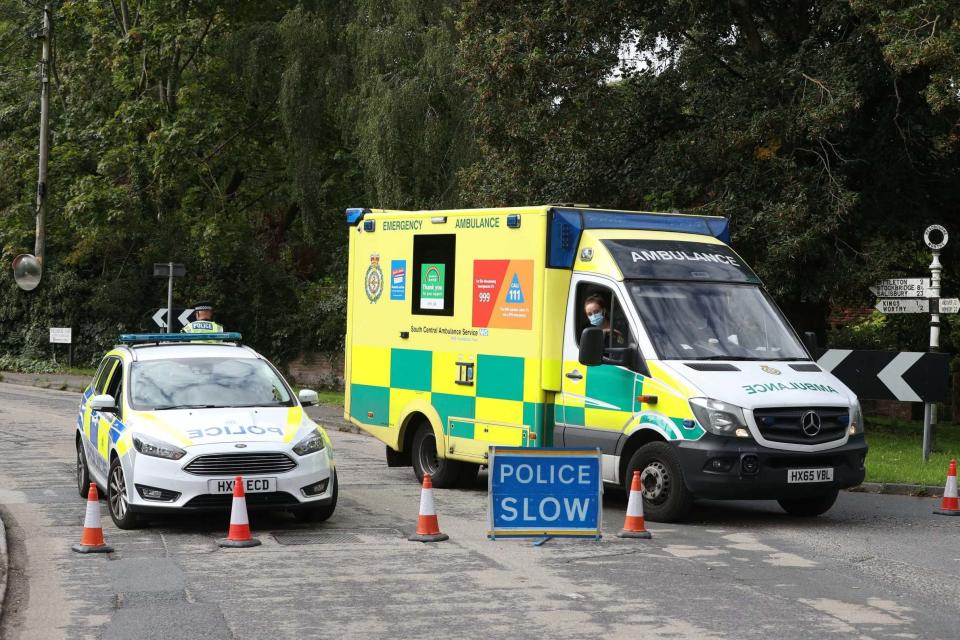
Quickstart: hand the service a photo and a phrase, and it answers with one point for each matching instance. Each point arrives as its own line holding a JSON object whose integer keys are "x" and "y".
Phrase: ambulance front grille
{"x": 240, "y": 464}
{"x": 785, "y": 424}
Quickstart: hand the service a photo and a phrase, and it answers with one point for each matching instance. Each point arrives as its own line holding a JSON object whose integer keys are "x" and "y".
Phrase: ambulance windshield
{"x": 713, "y": 321}
{"x": 203, "y": 383}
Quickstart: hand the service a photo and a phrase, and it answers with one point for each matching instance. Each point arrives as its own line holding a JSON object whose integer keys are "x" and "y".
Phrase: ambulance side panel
{"x": 455, "y": 332}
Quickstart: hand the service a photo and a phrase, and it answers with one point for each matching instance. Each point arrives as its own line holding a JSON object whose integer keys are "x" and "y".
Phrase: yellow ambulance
{"x": 642, "y": 334}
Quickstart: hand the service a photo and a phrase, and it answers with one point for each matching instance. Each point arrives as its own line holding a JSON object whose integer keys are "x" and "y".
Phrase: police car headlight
{"x": 157, "y": 448}
{"x": 856, "y": 419}
{"x": 312, "y": 443}
{"x": 720, "y": 418}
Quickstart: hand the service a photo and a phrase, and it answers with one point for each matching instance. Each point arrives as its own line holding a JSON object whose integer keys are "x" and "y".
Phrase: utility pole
{"x": 41, "y": 239}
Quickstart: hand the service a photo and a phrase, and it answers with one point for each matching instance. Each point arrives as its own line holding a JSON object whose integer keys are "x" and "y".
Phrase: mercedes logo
{"x": 810, "y": 422}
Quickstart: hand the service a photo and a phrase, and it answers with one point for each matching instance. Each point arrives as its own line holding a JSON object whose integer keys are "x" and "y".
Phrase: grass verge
{"x": 896, "y": 449}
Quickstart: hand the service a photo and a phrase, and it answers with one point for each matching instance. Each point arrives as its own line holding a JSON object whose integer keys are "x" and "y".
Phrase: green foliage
{"x": 231, "y": 136}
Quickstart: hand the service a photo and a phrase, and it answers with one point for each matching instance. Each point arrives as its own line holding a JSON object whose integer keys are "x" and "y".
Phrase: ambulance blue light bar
{"x": 566, "y": 225}
{"x": 141, "y": 338}
{"x": 355, "y": 215}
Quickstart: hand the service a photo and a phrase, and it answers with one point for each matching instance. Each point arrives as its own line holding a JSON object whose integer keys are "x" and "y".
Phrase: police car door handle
{"x": 575, "y": 375}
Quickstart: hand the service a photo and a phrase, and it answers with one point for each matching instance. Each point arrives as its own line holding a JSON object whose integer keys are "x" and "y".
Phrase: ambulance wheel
{"x": 117, "y": 501}
{"x": 665, "y": 495}
{"x": 809, "y": 507}
{"x": 83, "y": 473}
{"x": 444, "y": 472}
{"x": 323, "y": 512}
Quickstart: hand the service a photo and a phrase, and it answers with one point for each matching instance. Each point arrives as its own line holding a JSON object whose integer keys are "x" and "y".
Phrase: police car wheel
{"x": 321, "y": 513}
{"x": 83, "y": 474}
{"x": 444, "y": 472}
{"x": 120, "y": 511}
{"x": 809, "y": 507}
{"x": 665, "y": 495}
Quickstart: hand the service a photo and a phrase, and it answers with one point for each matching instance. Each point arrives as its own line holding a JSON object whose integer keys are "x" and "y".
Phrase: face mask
{"x": 596, "y": 319}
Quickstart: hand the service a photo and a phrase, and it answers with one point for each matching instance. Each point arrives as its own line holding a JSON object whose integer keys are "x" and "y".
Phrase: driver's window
{"x": 600, "y": 307}
{"x": 115, "y": 387}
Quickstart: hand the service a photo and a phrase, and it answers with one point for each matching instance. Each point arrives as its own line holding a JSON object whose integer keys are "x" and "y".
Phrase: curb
{"x": 896, "y": 489}
{"x": 4, "y": 567}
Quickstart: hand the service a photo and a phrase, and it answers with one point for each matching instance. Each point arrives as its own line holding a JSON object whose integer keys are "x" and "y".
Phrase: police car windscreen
{"x": 678, "y": 260}
{"x": 184, "y": 383}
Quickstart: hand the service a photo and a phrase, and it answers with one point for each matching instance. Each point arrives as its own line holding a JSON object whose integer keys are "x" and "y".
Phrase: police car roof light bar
{"x": 141, "y": 338}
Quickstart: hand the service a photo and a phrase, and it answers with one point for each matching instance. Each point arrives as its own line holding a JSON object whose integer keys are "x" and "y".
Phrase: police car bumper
{"x": 730, "y": 469}
{"x": 158, "y": 485}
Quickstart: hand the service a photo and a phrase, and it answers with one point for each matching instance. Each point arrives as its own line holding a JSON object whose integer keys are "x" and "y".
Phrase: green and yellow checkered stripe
{"x": 610, "y": 401}
{"x": 506, "y": 393}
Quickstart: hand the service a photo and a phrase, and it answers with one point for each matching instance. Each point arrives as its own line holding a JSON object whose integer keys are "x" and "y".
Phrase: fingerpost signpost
{"x": 921, "y": 295}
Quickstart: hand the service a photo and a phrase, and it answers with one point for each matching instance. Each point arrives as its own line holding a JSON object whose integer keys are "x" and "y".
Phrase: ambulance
{"x": 643, "y": 335}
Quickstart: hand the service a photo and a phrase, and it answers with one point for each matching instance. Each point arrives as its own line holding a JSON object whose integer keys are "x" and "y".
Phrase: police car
{"x": 169, "y": 420}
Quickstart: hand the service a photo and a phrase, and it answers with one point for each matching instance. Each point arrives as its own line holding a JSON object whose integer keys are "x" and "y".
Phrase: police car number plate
{"x": 250, "y": 485}
{"x": 795, "y": 476}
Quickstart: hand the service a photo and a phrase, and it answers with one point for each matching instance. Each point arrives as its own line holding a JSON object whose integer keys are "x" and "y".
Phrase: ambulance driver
{"x": 595, "y": 308}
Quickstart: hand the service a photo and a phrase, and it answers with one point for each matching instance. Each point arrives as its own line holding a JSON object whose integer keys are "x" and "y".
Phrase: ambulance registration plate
{"x": 796, "y": 476}
{"x": 250, "y": 485}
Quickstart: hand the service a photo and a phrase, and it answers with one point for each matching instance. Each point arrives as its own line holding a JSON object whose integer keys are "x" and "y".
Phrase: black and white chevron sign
{"x": 907, "y": 376}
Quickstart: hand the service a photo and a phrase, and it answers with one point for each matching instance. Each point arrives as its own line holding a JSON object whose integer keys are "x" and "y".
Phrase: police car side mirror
{"x": 591, "y": 346}
{"x": 103, "y": 402}
{"x": 307, "y": 397}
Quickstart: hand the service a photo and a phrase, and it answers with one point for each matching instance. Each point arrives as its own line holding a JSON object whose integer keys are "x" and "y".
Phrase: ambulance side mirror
{"x": 591, "y": 346}
{"x": 810, "y": 342}
{"x": 103, "y": 402}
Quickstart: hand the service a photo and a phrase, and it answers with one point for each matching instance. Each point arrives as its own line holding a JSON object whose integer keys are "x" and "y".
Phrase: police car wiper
{"x": 185, "y": 406}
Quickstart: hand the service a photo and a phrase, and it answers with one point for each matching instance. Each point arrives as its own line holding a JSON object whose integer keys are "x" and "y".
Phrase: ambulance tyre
{"x": 665, "y": 495}
{"x": 83, "y": 473}
{"x": 117, "y": 502}
{"x": 444, "y": 472}
{"x": 809, "y": 507}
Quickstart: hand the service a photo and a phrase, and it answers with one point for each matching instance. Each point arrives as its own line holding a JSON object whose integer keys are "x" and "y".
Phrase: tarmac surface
{"x": 875, "y": 566}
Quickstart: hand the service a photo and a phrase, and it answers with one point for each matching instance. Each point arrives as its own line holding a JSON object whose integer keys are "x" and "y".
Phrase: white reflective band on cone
{"x": 238, "y": 514}
{"x": 426, "y": 503}
{"x": 950, "y": 491}
{"x": 92, "y": 519}
{"x": 635, "y": 504}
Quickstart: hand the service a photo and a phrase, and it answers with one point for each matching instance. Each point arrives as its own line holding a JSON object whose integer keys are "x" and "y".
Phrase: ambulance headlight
{"x": 720, "y": 418}
{"x": 856, "y": 419}
{"x": 312, "y": 443}
{"x": 157, "y": 448}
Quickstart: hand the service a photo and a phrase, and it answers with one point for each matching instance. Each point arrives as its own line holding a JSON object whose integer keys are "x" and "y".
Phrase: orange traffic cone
{"x": 92, "y": 539}
{"x": 428, "y": 529}
{"x": 239, "y": 534}
{"x": 950, "y": 506}
{"x": 633, "y": 524}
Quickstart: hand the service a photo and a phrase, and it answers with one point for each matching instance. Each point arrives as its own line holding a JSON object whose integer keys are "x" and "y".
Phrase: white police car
{"x": 168, "y": 422}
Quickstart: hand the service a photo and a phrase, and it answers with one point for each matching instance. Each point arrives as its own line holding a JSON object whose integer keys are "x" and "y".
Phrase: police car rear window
{"x": 678, "y": 260}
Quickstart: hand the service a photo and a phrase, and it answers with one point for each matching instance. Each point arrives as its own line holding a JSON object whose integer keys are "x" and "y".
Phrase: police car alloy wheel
{"x": 665, "y": 496}
{"x": 120, "y": 511}
{"x": 83, "y": 475}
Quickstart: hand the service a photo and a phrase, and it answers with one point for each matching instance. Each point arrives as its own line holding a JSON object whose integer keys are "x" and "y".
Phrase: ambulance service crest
{"x": 374, "y": 279}
{"x": 770, "y": 370}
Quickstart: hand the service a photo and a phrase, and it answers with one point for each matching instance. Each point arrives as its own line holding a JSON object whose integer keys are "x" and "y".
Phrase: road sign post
{"x": 63, "y": 335}
{"x": 169, "y": 270}
{"x": 935, "y": 236}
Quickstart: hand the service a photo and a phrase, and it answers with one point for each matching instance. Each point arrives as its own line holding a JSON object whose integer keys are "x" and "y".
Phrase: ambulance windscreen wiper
{"x": 737, "y": 358}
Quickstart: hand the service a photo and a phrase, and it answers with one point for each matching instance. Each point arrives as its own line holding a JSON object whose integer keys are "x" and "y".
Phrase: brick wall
{"x": 317, "y": 370}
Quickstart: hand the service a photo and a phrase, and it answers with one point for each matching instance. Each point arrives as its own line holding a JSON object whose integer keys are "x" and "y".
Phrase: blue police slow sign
{"x": 545, "y": 493}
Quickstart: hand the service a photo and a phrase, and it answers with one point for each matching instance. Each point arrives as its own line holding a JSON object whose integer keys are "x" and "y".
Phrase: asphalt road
{"x": 873, "y": 567}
